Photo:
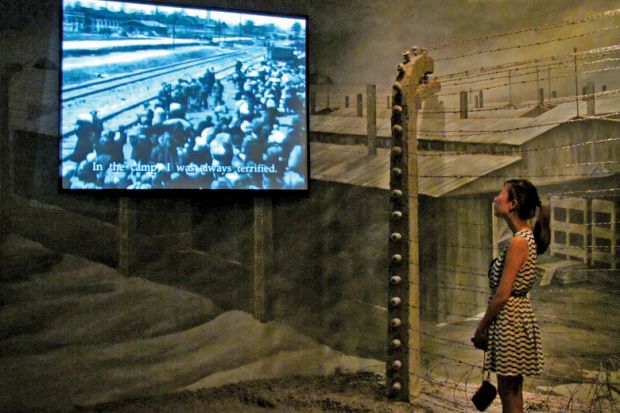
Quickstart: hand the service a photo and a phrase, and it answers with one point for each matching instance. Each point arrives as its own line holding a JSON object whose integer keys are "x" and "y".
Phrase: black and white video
{"x": 162, "y": 97}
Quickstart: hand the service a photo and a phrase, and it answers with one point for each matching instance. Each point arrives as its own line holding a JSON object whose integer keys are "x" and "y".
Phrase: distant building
{"x": 73, "y": 21}
{"x": 101, "y": 23}
{"x": 194, "y": 31}
{"x": 86, "y": 20}
{"x": 144, "y": 27}
{"x": 462, "y": 164}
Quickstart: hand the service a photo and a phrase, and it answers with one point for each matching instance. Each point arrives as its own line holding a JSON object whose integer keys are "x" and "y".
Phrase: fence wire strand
{"x": 606, "y": 14}
{"x": 582, "y": 380}
{"x": 540, "y": 43}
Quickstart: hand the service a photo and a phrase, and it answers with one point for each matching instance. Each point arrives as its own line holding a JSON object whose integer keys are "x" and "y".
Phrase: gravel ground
{"x": 340, "y": 392}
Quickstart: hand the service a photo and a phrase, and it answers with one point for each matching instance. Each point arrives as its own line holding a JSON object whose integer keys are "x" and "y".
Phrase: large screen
{"x": 166, "y": 97}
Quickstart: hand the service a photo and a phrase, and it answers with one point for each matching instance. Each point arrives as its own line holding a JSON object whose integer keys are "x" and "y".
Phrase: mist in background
{"x": 350, "y": 52}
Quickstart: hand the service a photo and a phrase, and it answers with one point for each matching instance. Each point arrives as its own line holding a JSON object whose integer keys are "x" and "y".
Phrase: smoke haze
{"x": 361, "y": 41}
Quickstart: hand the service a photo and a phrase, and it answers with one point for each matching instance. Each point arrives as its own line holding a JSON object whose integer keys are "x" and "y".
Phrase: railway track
{"x": 121, "y": 94}
{"x": 103, "y": 85}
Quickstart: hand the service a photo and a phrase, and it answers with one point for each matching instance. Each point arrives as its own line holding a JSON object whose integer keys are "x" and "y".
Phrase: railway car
{"x": 287, "y": 54}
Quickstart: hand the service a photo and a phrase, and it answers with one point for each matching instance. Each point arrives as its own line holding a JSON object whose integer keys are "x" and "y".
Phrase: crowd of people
{"x": 247, "y": 131}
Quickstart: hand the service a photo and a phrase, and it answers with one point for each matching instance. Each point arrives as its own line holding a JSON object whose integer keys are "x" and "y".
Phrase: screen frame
{"x": 208, "y": 193}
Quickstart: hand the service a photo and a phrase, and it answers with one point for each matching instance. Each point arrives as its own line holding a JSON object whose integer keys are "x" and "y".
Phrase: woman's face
{"x": 501, "y": 205}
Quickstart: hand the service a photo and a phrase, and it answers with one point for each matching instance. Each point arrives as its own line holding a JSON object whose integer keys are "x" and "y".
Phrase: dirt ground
{"x": 79, "y": 337}
{"x": 341, "y": 392}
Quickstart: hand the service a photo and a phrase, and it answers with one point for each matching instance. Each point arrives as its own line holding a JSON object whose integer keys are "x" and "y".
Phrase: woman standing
{"x": 509, "y": 330}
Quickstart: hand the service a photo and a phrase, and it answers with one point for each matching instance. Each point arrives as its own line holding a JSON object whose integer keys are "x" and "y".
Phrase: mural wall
{"x": 155, "y": 302}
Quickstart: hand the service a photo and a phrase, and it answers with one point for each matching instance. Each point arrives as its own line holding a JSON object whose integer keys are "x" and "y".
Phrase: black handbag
{"x": 486, "y": 393}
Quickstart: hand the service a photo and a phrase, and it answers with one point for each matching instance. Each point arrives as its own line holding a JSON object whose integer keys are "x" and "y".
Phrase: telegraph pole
{"x": 510, "y": 87}
{"x": 549, "y": 83}
{"x": 576, "y": 84}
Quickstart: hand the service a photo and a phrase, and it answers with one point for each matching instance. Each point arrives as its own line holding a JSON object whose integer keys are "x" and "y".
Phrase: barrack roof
{"x": 439, "y": 174}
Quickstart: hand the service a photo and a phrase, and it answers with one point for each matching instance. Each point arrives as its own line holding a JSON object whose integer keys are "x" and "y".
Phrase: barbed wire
{"x": 523, "y": 82}
{"x": 550, "y": 101}
{"x": 477, "y": 274}
{"x": 491, "y": 109}
{"x": 606, "y": 69}
{"x": 521, "y": 150}
{"x": 543, "y": 317}
{"x": 525, "y": 71}
{"x": 440, "y": 383}
{"x": 451, "y": 341}
{"x": 554, "y": 63}
{"x": 553, "y": 102}
{"x": 487, "y": 293}
{"x": 481, "y": 247}
{"x": 607, "y": 59}
{"x": 533, "y": 63}
{"x": 484, "y": 224}
{"x": 475, "y": 270}
{"x": 558, "y": 378}
{"x": 467, "y": 369}
{"x": 541, "y": 79}
{"x": 509, "y": 175}
{"x": 608, "y": 13}
{"x": 598, "y": 392}
{"x": 483, "y": 275}
{"x": 540, "y": 43}
{"x": 464, "y": 289}
{"x": 600, "y": 51}
{"x": 585, "y": 191}
{"x": 464, "y": 132}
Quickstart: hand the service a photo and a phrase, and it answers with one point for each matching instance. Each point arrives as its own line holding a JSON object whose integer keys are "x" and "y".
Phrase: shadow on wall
{"x": 330, "y": 247}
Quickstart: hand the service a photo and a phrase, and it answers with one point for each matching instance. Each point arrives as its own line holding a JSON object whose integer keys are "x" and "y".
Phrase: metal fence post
{"x": 371, "y": 118}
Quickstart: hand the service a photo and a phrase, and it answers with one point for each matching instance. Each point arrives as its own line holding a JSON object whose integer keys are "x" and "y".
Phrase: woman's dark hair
{"x": 525, "y": 194}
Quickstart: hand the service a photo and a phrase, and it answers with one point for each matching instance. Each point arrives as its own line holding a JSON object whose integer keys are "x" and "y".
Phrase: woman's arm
{"x": 515, "y": 258}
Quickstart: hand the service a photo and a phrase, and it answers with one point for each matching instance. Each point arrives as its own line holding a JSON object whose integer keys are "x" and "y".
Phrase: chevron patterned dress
{"x": 514, "y": 336}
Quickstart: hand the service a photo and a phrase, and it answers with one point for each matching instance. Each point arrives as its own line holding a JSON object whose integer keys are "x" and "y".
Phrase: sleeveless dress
{"x": 514, "y": 347}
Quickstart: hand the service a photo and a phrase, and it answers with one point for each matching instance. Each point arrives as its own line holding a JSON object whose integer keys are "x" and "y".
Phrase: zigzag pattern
{"x": 514, "y": 336}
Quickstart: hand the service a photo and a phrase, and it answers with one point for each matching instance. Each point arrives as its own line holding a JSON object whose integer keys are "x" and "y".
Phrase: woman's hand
{"x": 481, "y": 338}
